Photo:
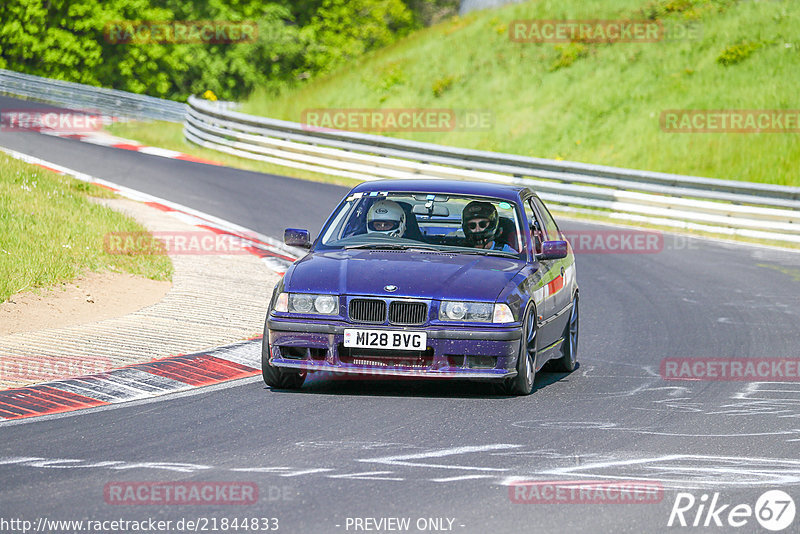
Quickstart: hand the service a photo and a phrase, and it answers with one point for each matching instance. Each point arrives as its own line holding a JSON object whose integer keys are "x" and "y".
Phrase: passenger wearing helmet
{"x": 480, "y": 222}
{"x": 386, "y": 217}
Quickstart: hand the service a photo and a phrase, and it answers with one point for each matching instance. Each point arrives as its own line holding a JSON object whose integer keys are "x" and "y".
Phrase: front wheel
{"x": 569, "y": 358}
{"x": 278, "y": 378}
{"x": 522, "y": 384}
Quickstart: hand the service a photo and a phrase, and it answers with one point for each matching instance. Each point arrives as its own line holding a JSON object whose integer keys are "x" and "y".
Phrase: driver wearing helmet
{"x": 480, "y": 223}
{"x": 386, "y": 217}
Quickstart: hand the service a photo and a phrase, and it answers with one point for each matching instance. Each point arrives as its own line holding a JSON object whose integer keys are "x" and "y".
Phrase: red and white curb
{"x": 159, "y": 377}
{"x": 105, "y": 139}
{"x": 135, "y": 382}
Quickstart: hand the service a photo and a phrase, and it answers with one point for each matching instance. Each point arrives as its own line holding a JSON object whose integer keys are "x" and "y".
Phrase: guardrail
{"x": 79, "y": 96}
{"x": 747, "y": 209}
{"x": 761, "y": 211}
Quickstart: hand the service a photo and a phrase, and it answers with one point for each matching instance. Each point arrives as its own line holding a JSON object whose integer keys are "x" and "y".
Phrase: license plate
{"x": 385, "y": 339}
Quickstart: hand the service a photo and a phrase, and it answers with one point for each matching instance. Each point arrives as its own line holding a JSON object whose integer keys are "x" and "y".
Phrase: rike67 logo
{"x": 774, "y": 510}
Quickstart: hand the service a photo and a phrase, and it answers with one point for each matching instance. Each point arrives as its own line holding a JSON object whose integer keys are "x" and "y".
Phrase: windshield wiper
{"x": 391, "y": 246}
{"x": 488, "y": 252}
{"x": 449, "y": 250}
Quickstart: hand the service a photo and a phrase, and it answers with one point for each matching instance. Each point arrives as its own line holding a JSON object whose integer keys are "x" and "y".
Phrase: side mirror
{"x": 296, "y": 237}
{"x": 553, "y": 250}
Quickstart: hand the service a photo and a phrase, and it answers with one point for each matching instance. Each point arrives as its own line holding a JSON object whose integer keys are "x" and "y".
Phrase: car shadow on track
{"x": 413, "y": 387}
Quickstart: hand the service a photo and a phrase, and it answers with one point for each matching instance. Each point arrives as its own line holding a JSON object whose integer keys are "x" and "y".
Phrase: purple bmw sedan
{"x": 427, "y": 278}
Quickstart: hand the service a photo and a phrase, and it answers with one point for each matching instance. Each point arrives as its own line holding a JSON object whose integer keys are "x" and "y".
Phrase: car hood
{"x": 418, "y": 274}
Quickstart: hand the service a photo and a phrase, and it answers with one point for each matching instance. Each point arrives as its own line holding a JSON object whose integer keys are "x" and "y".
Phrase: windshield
{"x": 442, "y": 222}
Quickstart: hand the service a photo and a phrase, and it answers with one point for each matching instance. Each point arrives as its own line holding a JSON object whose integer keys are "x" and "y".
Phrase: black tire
{"x": 569, "y": 350}
{"x": 522, "y": 384}
{"x": 278, "y": 378}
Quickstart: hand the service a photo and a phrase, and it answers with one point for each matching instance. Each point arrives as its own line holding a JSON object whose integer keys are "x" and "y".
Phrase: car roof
{"x": 452, "y": 187}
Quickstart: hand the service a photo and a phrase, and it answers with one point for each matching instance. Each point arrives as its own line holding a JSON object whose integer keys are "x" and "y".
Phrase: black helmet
{"x": 474, "y": 232}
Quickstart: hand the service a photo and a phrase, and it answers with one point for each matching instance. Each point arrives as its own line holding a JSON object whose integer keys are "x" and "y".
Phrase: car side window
{"x": 537, "y": 233}
{"x": 550, "y": 225}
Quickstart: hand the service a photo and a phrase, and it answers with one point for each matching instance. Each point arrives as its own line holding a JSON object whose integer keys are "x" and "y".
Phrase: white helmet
{"x": 386, "y": 217}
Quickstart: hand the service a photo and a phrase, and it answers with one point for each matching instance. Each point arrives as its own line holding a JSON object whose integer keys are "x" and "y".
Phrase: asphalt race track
{"x": 441, "y": 453}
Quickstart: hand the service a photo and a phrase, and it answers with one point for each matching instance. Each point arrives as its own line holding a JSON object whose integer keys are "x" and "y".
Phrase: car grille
{"x": 400, "y": 312}
{"x": 368, "y": 310}
{"x": 407, "y": 313}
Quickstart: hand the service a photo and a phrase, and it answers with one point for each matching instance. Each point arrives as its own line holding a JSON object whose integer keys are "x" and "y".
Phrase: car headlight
{"x": 307, "y": 303}
{"x": 326, "y": 304}
{"x": 477, "y": 312}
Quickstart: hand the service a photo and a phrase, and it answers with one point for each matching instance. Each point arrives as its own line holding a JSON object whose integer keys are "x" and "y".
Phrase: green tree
{"x": 64, "y": 39}
{"x": 345, "y": 29}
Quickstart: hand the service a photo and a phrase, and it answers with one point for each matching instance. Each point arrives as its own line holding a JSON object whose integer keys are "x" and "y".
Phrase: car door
{"x": 547, "y": 272}
{"x": 558, "y": 290}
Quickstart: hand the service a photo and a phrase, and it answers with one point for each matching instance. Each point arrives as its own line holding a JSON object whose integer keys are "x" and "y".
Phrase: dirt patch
{"x": 89, "y": 298}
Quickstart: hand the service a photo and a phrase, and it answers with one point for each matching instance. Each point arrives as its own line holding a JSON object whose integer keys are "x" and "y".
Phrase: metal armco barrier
{"x": 761, "y": 211}
{"x": 86, "y": 97}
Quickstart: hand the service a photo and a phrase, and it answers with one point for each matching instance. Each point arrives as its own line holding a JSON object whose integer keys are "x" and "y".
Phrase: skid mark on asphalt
{"x": 675, "y": 471}
{"x": 779, "y": 400}
{"x": 755, "y": 406}
{"x": 595, "y": 425}
{"x": 404, "y": 460}
{"x": 694, "y": 471}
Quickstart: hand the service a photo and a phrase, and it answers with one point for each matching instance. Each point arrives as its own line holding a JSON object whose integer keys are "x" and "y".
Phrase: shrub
{"x": 736, "y": 53}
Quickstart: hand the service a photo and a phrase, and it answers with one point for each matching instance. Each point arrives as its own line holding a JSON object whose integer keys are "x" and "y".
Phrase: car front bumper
{"x": 461, "y": 353}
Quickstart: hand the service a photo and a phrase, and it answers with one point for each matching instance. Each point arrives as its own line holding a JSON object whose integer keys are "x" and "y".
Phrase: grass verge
{"x": 592, "y": 102}
{"x": 52, "y": 231}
